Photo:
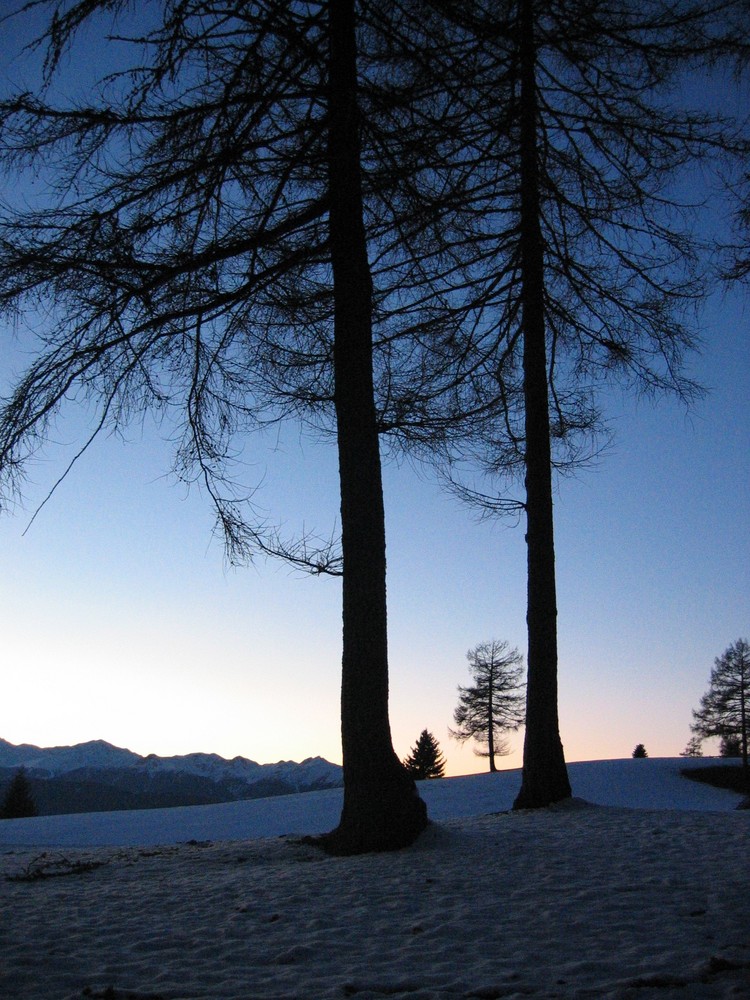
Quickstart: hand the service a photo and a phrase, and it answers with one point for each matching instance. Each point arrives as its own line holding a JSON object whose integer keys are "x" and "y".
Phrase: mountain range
{"x": 97, "y": 776}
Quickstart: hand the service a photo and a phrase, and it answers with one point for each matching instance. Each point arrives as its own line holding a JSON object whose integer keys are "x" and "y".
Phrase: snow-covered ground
{"x": 643, "y": 893}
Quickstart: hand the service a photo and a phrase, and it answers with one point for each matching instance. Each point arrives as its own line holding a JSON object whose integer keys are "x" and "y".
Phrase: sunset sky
{"x": 121, "y": 620}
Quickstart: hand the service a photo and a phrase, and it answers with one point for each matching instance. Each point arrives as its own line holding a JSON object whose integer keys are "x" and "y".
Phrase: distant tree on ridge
{"x": 425, "y": 760}
{"x": 494, "y": 704}
{"x": 694, "y": 747}
{"x": 725, "y": 708}
{"x": 640, "y": 751}
{"x": 18, "y": 802}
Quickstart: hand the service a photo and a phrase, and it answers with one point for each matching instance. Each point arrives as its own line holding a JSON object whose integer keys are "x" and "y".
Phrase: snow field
{"x": 579, "y": 901}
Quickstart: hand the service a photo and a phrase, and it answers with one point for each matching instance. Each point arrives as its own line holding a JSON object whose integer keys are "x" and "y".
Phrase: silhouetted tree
{"x": 204, "y": 252}
{"x": 730, "y": 746}
{"x": 739, "y": 264}
{"x": 425, "y": 759}
{"x": 639, "y": 751}
{"x": 493, "y": 705}
{"x": 725, "y": 708}
{"x": 381, "y": 807}
{"x": 589, "y": 267}
{"x": 18, "y": 801}
{"x": 693, "y": 748}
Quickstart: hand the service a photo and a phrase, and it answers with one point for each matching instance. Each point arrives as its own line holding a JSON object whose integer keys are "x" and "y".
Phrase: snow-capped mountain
{"x": 98, "y": 775}
{"x": 49, "y": 761}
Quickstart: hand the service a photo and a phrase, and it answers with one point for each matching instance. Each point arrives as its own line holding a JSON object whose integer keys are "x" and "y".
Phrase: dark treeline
{"x": 121, "y": 789}
{"x": 431, "y": 228}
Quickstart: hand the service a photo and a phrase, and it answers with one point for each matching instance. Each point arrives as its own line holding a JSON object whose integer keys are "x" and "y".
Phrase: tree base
{"x": 375, "y": 819}
{"x": 540, "y": 791}
{"x": 530, "y": 800}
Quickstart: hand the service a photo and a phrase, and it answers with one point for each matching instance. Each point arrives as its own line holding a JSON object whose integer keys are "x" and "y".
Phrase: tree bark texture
{"x": 382, "y": 810}
{"x": 744, "y": 726}
{"x": 545, "y": 776}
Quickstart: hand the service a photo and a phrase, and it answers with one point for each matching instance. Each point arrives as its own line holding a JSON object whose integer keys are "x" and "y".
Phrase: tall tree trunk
{"x": 382, "y": 810}
{"x": 744, "y": 725}
{"x": 545, "y": 776}
{"x": 491, "y": 723}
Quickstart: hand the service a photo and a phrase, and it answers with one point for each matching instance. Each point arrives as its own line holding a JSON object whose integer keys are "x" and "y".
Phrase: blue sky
{"x": 121, "y": 620}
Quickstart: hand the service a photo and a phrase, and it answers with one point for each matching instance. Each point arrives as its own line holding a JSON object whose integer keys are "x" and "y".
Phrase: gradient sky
{"x": 121, "y": 620}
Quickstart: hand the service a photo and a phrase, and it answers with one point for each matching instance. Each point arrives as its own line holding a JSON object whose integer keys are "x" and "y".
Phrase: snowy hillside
{"x": 649, "y": 784}
{"x": 642, "y": 896}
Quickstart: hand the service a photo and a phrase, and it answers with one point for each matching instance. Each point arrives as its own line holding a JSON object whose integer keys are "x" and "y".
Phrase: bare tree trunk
{"x": 545, "y": 776}
{"x": 743, "y": 723}
{"x": 382, "y": 810}
{"x": 490, "y": 724}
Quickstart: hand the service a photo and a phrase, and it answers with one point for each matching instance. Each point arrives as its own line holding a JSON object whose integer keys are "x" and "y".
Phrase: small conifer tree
{"x": 640, "y": 751}
{"x": 18, "y": 802}
{"x": 425, "y": 760}
{"x": 694, "y": 748}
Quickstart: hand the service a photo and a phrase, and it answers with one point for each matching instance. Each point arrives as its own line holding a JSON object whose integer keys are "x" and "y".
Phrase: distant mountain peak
{"x": 205, "y": 774}
{"x": 99, "y": 755}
